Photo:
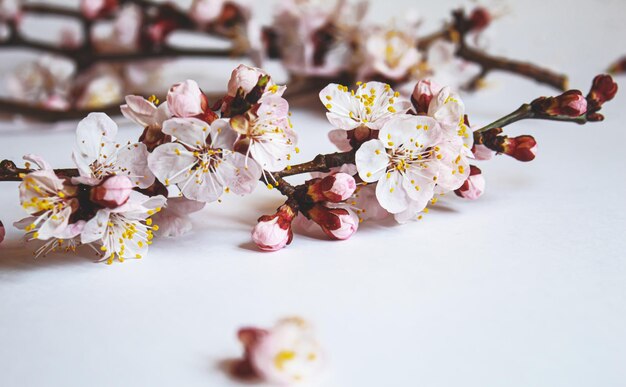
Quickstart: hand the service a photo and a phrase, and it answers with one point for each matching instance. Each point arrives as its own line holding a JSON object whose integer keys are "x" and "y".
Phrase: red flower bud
{"x": 571, "y": 104}
{"x": 334, "y": 188}
{"x": 522, "y": 148}
{"x": 337, "y": 223}
{"x": 603, "y": 89}
{"x": 480, "y": 18}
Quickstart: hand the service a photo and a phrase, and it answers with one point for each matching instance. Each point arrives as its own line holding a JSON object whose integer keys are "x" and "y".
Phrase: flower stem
{"x": 525, "y": 112}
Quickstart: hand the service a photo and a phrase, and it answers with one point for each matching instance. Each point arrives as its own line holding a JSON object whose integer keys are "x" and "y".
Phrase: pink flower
{"x": 186, "y": 100}
{"x": 338, "y": 222}
{"x": 273, "y": 232}
{"x": 113, "y": 192}
{"x": 474, "y": 186}
{"x": 286, "y": 354}
{"x": 333, "y": 188}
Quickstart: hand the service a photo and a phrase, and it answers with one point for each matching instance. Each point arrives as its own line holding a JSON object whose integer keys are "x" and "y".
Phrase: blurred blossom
{"x": 125, "y": 35}
{"x": 104, "y": 88}
{"x": 45, "y": 81}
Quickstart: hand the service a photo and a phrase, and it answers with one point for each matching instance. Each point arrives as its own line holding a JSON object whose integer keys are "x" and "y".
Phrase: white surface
{"x": 525, "y": 287}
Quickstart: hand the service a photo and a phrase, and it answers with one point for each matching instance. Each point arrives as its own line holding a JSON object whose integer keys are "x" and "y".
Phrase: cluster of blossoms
{"x": 82, "y": 72}
{"x": 330, "y": 38}
{"x": 397, "y": 156}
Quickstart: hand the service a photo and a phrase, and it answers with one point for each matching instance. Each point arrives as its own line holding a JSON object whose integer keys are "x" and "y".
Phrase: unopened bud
{"x": 423, "y": 94}
{"x": 337, "y": 223}
{"x": 522, "y": 148}
{"x": 474, "y": 186}
{"x": 334, "y": 188}
{"x": 602, "y": 90}
{"x": 572, "y": 103}
{"x": 186, "y": 100}
{"x": 113, "y": 192}
{"x": 273, "y": 232}
{"x": 480, "y": 18}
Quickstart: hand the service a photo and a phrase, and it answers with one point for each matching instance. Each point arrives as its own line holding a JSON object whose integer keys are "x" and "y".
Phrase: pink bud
{"x": 423, "y": 94}
{"x": 474, "y": 186}
{"x": 335, "y": 188}
{"x": 2, "y": 232}
{"x": 113, "y": 192}
{"x": 186, "y": 99}
{"x": 273, "y": 232}
{"x": 337, "y": 223}
{"x": 244, "y": 77}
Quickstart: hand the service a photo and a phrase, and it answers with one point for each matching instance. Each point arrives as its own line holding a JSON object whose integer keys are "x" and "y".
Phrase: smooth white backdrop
{"x": 525, "y": 287}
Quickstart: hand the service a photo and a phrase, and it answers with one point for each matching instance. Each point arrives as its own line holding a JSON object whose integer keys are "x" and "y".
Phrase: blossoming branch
{"x": 316, "y": 41}
{"x": 396, "y": 157}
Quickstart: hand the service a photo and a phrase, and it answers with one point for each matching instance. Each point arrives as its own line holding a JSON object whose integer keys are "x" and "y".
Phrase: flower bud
{"x": 479, "y": 19}
{"x": 522, "y": 148}
{"x": 474, "y": 186}
{"x": 245, "y": 78}
{"x": 334, "y": 188}
{"x": 602, "y": 90}
{"x": 113, "y": 192}
{"x": 337, "y": 223}
{"x": 186, "y": 100}
{"x": 423, "y": 94}
{"x": 273, "y": 232}
{"x": 571, "y": 104}
{"x": 93, "y": 9}
{"x": 618, "y": 67}
{"x": 285, "y": 354}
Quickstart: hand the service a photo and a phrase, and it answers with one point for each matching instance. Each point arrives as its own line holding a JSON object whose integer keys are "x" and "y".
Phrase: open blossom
{"x": 391, "y": 53}
{"x": 404, "y": 161}
{"x": 145, "y": 111}
{"x": 286, "y": 354}
{"x": 265, "y": 133}
{"x": 370, "y": 105}
{"x": 103, "y": 88}
{"x": 98, "y": 156}
{"x": 126, "y": 231}
{"x": 50, "y": 200}
{"x": 126, "y": 33}
{"x": 186, "y": 99}
{"x": 201, "y": 161}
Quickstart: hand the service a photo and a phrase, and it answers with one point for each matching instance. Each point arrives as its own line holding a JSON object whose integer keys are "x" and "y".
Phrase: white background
{"x": 525, "y": 287}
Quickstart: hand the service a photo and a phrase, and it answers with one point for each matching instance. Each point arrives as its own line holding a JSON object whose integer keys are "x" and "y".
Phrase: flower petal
{"x": 95, "y": 227}
{"x": 391, "y": 193}
{"x": 91, "y": 132}
{"x": 240, "y": 176}
{"x": 371, "y": 160}
{"x": 132, "y": 160}
{"x": 171, "y": 162}
{"x": 190, "y": 131}
{"x": 222, "y": 135}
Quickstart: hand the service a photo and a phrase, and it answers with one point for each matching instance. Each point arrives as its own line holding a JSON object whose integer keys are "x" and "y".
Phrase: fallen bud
{"x": 474, "y": 186}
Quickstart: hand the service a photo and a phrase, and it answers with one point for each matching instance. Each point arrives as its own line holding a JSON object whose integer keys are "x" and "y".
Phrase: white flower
{"x": 50, "y": 200}
{"x": 48, "y": 78}
{"x": 98, "y": 156}
{"x": 145, "y": 112}
{"x": 266, "y": 133}
{"x": 126, "y": 231}
{"x": 105, "y": 88}
{"x": 371, "y": 105}
{"x": 201, "y": 161}
{"x": 448, "y": 110}
{"x": 404, "y": 161}
{"x": 392, "y": 53}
